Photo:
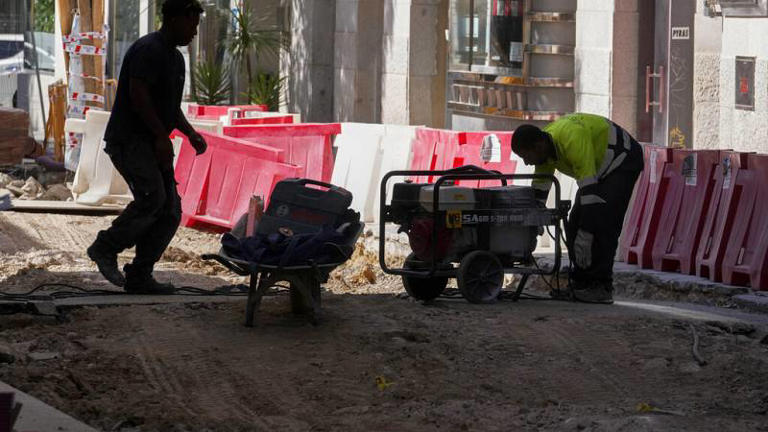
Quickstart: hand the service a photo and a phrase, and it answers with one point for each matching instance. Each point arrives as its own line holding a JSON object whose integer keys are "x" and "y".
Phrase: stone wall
{"x": 593, "y": 62}
{"x": 740, "y": 129}
{"x": 706, "y": 82}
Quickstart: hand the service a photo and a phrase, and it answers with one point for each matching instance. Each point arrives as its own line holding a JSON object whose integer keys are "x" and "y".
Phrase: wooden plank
{"x": 98, "y": 24}
{"x": 65, "y": 17}
{"x": 89, "y": 62}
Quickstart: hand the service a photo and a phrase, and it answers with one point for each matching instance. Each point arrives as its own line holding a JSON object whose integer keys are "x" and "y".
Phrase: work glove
{"x": 198, "y": 142}
{"x": 582, "y": 246}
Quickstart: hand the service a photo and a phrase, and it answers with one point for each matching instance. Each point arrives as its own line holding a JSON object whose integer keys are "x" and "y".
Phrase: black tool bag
{"x": 304, "y": 206}
{"x": 302, "y": 225}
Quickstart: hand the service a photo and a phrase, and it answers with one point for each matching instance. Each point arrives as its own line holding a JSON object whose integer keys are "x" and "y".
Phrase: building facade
{"x": 681, "y": 73}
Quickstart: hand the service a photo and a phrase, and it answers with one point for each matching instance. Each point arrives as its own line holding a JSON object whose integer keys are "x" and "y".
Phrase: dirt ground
{"x": 378, "y": 361}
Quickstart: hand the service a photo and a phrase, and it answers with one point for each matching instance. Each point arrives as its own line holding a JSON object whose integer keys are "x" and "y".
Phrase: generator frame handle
{"x": 461, "y": 175}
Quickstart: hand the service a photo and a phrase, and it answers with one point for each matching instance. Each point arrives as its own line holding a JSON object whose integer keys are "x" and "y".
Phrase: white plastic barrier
{"x": 396, "y": 156}
{"x": 234, "y": 113}
{"x": 207, "y": 125}
{"x": 357, "y": 162}
{"x": 365, "y": 152}
{"x": 96, "y": 179}
{"x": 568, "y": 189}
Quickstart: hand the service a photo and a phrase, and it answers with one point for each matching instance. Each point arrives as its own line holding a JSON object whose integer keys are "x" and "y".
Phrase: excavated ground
{"x": 378, "y": 361}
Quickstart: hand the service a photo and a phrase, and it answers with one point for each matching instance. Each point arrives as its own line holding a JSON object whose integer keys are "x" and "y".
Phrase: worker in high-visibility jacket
{"x": 606, "y": 162}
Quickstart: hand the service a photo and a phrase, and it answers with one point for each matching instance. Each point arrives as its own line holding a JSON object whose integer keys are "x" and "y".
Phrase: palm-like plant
{"x": 211, "y": 83}
{"x": 247, "y": 42}
{"x": 266, "y": 89}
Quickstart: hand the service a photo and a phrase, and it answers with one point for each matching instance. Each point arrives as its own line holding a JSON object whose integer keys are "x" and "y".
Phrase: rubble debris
{"x": 57, "y": 192}
{"x": 4, "y": 180}
{"x": 32, "y": 190}
{"x": 15, "y": 187}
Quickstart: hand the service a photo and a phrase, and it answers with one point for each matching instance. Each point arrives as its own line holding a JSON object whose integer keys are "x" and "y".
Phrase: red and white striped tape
{"x": 86, "y": 97}
{"x": 77, "y": 109}
{"x": 73, "y": 139}
{"x": 84, "y": 49}
{"x": 84, "y": 36}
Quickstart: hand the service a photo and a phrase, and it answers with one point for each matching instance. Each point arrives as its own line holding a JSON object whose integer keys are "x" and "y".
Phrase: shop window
{"x": 744, "y": 8}
{"x": 486, "y": 34}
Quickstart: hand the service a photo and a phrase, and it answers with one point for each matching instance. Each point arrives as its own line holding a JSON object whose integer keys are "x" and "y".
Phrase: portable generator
{"x": 475, "y": 234}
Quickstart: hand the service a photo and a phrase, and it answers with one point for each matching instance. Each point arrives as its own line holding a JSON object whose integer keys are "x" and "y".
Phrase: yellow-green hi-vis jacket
{"x": 586, "y": 146}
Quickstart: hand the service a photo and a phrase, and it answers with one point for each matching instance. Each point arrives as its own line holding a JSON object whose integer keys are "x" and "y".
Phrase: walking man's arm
{"x": 141, "y": 102}
{"x": 197, "y": 140}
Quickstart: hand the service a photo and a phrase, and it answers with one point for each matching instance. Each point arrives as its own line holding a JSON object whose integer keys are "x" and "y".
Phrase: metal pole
{"x": 37, "y": 64}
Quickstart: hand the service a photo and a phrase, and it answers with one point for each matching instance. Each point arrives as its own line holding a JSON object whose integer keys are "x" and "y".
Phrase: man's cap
{"x": 173, "y": 8}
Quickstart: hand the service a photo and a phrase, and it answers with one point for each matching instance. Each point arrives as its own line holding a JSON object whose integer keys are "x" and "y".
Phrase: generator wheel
{"x": 480, "y": 277}
{"x": 422, "y": 288}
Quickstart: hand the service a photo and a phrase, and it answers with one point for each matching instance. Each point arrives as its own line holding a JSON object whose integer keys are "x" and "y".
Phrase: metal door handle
{"x": 660, "y": 77}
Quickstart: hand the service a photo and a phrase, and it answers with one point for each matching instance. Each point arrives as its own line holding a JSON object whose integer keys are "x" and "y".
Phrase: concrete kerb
{"x": 37, "y": 416}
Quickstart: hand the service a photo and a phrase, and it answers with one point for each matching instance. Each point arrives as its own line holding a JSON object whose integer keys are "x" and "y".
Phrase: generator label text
{"x": 473, "y": 219}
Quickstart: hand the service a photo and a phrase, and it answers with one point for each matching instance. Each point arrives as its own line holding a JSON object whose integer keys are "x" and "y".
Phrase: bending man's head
{"x": 180, "y": 20}
{"x": 532, "y": 144}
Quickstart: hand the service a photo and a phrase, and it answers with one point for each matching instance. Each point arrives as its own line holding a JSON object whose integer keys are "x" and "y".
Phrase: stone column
{"x": 357, "y": 60}
{"x": 594, "y": 45}
{"x": 625, "y": 71}
{"x": 414, "y": 62}
{"x": 311, "y": 69}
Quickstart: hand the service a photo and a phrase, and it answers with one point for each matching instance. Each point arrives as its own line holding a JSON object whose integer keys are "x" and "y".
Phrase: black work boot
{"x": 137, "y": 283}
{"x": 107, "y": 264}
{"x": 594, "y": 292}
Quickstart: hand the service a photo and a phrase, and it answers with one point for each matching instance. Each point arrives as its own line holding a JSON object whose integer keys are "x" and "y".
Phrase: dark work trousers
{"x": 605, "y": 219}
{"x": 150, "y": 221}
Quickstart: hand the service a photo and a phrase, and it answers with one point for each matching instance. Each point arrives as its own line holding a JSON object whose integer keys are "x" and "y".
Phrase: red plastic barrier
{"x": 306, "y": 145}
{"x": 643, "y": 223}
{"x": 225, "y": 167}
{"x": 435, "y": 149}
{"x": 690, "y": 180}
{"x": 188, "y": 161}
{"x": 262, "y": 120}
{"x": 730, "y": 179}
{"x": 745, "y": 261}
{"x": 213, "y": 112}
{"x": 470, "y": 154}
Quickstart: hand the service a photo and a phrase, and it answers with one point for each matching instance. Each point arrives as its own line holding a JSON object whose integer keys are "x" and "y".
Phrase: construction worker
{"x": 147, "y": 108}
{"x": 605, "y": 161}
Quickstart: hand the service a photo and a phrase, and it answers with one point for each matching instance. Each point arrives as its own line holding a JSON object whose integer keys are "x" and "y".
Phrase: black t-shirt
{"x": 161, "y": 66}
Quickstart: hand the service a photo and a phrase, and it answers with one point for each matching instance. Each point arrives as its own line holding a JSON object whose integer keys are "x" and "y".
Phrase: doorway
{"x": 665, "y": 75}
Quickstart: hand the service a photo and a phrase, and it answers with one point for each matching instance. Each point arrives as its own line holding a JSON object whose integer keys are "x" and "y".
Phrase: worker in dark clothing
{"x": 146, "y": 110}
{"x": 606, "y": 162}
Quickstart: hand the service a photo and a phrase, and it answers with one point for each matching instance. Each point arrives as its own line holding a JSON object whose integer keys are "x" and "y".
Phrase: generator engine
{"x": 460, "y": 231}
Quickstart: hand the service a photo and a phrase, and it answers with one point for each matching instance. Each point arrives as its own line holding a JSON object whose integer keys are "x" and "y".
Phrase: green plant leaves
{"x": 212, "y": 84}
{"x": 266, "y": 89}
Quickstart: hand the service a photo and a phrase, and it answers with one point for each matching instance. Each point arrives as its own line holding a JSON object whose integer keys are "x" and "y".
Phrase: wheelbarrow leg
{"x": 305, "y": 289}
{"x": 313, "y": 293}
{"x": 255, "y": 293}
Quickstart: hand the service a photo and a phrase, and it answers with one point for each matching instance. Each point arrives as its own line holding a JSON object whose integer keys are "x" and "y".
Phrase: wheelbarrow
{"x": 304, "y": 280}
